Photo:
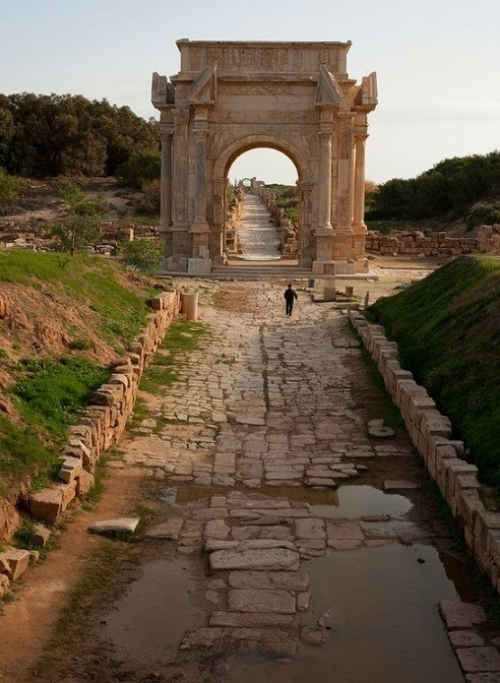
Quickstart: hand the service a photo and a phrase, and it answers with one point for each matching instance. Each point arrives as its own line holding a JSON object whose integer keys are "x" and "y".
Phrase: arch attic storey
{"x": 294, "y": 97}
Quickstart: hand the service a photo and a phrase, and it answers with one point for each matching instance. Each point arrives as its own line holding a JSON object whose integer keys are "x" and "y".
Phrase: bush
{"x": 141, "y": 254}
{"x": 141, "y": 168}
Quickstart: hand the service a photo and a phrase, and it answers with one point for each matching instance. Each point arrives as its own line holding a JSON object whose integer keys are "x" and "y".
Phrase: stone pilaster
{"x": 167, "y": 132}
{"x": 342, "y": 245}
{"x": 305, "y": 221}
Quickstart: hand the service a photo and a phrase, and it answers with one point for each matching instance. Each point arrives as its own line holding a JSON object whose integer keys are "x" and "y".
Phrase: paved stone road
{"x": 265, "y": 421}
{"x": 259, "y": 237}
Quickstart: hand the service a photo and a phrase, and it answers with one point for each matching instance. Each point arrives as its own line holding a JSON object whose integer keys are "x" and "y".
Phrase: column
{"x": 358, "y": 222}
{"x": 200, "y": 182}
{"x": 305, "y": 223}
{"x": 325, "y": 184}
{"x": 359, "y": 182}
{"x": 324, "y": 230}
{"x": 343, "y": 242}
{"x": 167, "y": 131}
{"x": 181, "y": 244}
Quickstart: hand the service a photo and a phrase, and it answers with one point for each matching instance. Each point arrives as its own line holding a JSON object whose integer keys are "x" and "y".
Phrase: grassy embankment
{"x": 99, "y": 309}
{"x": 448, "y": 331}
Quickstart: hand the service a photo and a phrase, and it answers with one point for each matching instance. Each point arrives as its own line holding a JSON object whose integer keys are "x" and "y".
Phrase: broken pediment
{"x": 162, "y": 92}
{"x": 204, "y": 88}
{"x": 369, "y": 90}
{"x": 328, "y": 91}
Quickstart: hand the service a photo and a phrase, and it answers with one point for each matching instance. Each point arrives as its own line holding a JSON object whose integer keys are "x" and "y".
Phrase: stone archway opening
{"x": 263, "y": 208}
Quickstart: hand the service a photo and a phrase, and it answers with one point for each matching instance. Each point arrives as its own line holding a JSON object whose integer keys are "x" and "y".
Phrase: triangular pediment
{"x": 204, "y": 88}
{"x": 328, "y": 92}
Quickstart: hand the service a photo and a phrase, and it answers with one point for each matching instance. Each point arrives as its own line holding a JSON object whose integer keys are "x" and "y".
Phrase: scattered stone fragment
{"x": 168, "y": 530}
{"x": 40, "y": 535}
{"x": 313, "y": 636}
{"x": 395, "y": 484}
{"x": 125, "y": 525}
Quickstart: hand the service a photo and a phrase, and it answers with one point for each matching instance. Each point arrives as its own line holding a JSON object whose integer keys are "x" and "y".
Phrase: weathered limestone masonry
{"x": 430, "y": 432}
{"x": 435, "y": 244}
{"x": 294, "y": 97}
{"x": 101, "y": 426}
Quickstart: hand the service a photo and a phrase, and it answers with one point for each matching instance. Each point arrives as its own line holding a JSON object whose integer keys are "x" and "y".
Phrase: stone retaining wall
{"x": 434, "y": 244}
{"x": 431, "y": 433}
{"x": 101, "y": 424}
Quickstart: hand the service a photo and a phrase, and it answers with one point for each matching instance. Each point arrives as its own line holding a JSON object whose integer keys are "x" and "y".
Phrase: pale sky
{"x": 437, "y": 63}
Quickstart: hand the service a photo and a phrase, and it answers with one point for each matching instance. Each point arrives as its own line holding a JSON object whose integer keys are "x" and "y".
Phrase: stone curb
{"x": 430, "y": 432}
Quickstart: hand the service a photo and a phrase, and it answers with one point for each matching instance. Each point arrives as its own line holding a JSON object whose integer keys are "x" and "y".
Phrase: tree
{"x": 81, "y": 227}
{"x": 140, "y": 168}
{"x": 141, "y": 254}
{"x": 8, "y": 190}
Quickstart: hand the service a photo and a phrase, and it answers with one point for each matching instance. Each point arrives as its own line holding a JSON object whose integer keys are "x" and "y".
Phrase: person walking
{"x": 290, "y": 296}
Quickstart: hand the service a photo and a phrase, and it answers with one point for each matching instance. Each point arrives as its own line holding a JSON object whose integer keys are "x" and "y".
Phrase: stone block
{"x": 479, "y": 659}
{"x": 273, "y": 559}
{"x": 290, "y": 581}
{"x": 46, "y": 504}
{"x": 70, "y": 469}
{"x": 461, "y": 614}
{"x": 310, "y": 528}
{"x": 40, "y": 535}
{"x": 84, "y": 483}
{"x": 14, "y": 562}
{"x": 4, "y": 585}
{"x": 263, "y": 601}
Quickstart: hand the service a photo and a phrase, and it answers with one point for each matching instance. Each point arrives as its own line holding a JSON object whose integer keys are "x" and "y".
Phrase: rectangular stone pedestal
{"x": 199, "y": 266}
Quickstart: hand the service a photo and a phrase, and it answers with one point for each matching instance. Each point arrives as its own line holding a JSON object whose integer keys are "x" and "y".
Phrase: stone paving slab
{"x": 259, "y": 560}
{"x": 250, "y": 600}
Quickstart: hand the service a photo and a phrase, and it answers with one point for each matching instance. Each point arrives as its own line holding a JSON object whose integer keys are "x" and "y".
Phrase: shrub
{"x": 8, "y": 190}
{"x": 140, "y": 168}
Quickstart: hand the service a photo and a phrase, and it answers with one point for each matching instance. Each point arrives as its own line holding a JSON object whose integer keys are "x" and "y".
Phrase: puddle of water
{"x": 462, "y": 577}
{"x": 380, "y": 608}
{"x": 186, "y": 495}
{"x": 150, "y": 620}
{"x": 355, "y": 502}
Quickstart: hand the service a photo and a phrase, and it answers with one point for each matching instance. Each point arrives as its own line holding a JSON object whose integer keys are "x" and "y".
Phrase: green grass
{"x": 182, "y": 337}
{"x": 23, "y": 453}
{"x": 119, "y": 313}
{"x": 48, "y": 393}
{"x": 448, "y": 331}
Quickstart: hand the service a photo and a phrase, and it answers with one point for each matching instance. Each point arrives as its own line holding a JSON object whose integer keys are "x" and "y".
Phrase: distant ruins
{"x": 294, "y": 97}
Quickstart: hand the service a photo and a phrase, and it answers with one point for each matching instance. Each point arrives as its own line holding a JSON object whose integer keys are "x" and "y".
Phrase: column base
{"x": 199, "y": 266}
{"x": 174, "y": 264}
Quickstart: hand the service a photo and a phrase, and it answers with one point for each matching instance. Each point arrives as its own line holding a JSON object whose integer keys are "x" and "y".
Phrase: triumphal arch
{"x": 294, "y": 97}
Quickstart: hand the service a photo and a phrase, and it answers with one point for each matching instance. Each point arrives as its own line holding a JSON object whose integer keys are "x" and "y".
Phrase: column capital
{"x": 167, "y": 130}
{"x": 181, "y": 116}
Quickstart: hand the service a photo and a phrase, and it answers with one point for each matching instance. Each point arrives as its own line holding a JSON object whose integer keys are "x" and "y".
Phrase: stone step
{"x": 259, "y": 272}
